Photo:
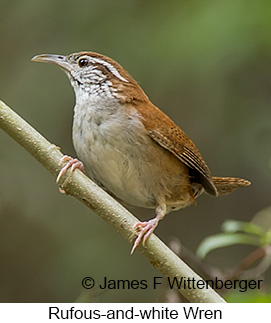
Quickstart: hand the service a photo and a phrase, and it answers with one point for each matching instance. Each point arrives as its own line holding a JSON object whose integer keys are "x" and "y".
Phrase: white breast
{"x": 109, "y": 143}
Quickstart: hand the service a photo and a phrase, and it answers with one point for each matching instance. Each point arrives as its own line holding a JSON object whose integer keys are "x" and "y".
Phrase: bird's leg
{"x": 72, "y": 163}
{"x": 145, "y": 229}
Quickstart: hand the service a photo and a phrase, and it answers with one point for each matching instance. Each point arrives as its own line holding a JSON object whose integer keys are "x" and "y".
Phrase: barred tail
{"x": 226, "y": 185}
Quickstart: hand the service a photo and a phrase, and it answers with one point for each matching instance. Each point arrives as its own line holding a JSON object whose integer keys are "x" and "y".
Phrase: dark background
{"x": 205, "y": 63}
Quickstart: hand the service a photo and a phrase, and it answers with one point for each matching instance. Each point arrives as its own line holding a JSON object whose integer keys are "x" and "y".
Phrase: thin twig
{"x": 243, "y": 269}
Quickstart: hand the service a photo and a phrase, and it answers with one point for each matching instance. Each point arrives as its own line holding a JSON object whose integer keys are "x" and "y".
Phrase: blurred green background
{"x": 207, "y": 64}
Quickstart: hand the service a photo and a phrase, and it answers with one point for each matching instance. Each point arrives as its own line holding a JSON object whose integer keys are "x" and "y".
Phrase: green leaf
{"x": 237, "y": 226}
{"x": 224, "y": 240}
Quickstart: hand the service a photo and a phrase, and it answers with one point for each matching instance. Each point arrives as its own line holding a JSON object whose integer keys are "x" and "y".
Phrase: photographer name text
{"x": 184, "y": 283}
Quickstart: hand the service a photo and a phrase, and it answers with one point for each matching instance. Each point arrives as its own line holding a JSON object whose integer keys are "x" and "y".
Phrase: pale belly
{"x": 123, "y": 159}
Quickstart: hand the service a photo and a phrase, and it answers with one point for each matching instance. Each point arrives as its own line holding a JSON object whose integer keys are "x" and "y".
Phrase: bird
{"x": 130, "y": 147}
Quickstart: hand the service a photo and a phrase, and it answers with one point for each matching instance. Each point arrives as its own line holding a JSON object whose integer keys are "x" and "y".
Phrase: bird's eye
{"x": 83, "y": 62}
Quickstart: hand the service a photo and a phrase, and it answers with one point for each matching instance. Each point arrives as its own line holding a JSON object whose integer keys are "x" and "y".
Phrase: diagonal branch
{"x": 86, "y": 191}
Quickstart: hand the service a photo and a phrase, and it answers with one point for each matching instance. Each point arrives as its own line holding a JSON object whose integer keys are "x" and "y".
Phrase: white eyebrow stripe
{"x": 111, "y": 68}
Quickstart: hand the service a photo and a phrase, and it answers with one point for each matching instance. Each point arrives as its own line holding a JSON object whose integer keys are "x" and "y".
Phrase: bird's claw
{"x": 72, "y": 163}
{"x": 144, "y": 229}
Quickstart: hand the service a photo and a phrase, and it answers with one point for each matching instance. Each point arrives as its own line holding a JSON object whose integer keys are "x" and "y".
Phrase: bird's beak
{"x": 59, "y": 60}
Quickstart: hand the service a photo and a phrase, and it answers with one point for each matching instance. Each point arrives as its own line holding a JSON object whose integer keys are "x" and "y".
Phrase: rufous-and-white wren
{"x": 128, "y": 146}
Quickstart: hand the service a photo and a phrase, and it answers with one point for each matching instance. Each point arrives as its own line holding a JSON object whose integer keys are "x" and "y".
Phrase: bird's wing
{"x": 187, "y": 153}
{"x": 169, "y": 136}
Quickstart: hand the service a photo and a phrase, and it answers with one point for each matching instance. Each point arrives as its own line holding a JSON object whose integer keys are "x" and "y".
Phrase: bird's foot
{"x": 144, "y": 230}
{"x": 72, "y": 163}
